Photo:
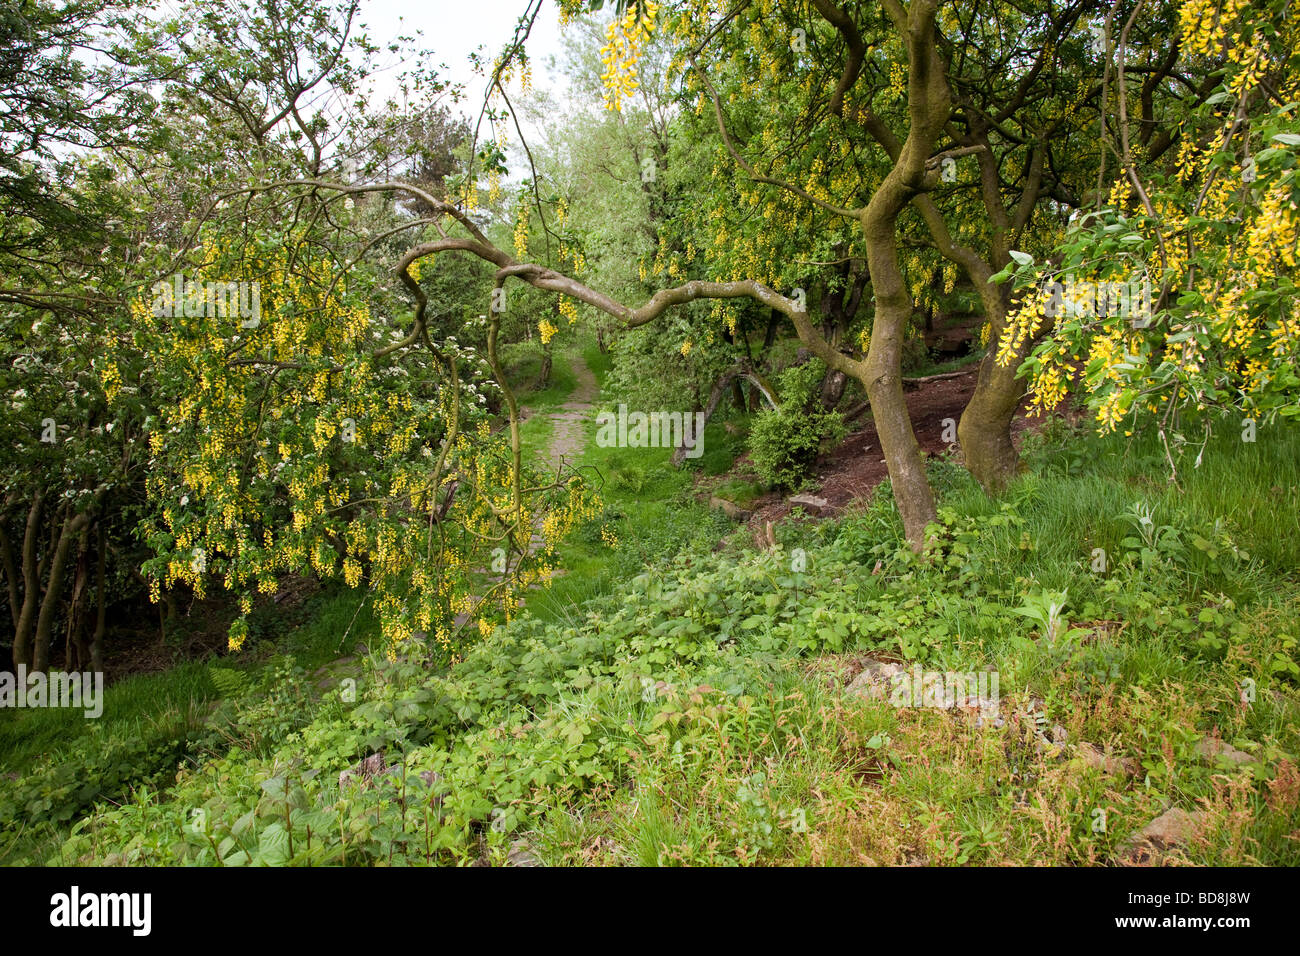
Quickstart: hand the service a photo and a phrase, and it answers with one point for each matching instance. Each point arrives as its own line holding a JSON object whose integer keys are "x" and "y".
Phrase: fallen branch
{"x": 918, "y": 382}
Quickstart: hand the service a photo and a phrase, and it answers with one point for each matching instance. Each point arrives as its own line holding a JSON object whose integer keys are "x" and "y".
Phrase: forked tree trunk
{"x": 985, "y": 427}
{"x": 929, "y": 105}
{"x": 73, "y": 527}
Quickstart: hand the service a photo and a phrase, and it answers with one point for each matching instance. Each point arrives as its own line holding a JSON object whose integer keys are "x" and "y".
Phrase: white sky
{"x": 455, "y": 28}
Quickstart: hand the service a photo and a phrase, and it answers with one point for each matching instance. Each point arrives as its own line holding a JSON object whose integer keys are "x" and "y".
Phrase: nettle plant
{"x": 317, "y": 438}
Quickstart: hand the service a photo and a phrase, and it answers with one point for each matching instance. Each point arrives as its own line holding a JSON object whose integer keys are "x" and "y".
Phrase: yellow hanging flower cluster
{"x": 1200, "y": 23}
{"x": 897, "y": 80}
{"x": 568, "y": 309}
{"x": 521, "y": 232}
{"x": 625, "y": 39}
{"x": 111, "y": 379}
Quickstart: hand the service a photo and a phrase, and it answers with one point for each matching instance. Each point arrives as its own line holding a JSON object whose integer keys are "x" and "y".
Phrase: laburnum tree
{"x": 239, "y": 365}
{"x": 342, "y": 427}
{"x": 914, "y": 169}
{"x": 843, "y": 128}
{"x": 811, "y": 106}
{"x": 1213, "y": 221}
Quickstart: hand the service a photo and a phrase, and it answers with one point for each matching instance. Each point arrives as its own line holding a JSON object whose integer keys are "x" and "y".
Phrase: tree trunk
{"x": 733, "y": 375}
{"x": 929, "y": 105}
{"x": 10, "y": 567}
{"x": 769, "y": 336}
{"x": 73, "y": 526}
{"x": 97, "y": 642}
{"x": 76, "y": 649}
{"x": 737, "y": 395}
{"x": 545, "y": 375}
{"x": 833, "y": 388}
{"x": 31, "y": 587}
{"x": 884, "y": 384}
{"x": 984, "y": 430}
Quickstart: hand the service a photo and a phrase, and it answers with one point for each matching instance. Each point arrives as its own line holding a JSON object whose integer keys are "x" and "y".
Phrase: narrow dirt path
{"x": 567, "y": 441}
{"x": 567, "y": 430}
{"x": 567, "y": 436}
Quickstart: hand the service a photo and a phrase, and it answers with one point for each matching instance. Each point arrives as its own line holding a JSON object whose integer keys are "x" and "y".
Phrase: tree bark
{"x": 738, "y": 395}
{"x": 929, "y": 104}
{"x": 884, "y": 383}
{"x": 833, "y": 388}
{"x": 31, "y": 587}
{"x": 101, "y": 598}
{"x": 10, "y": 567}
{"x": 984, "y": 430}
{"x": 545, "y": 375}
{"x": 76, "y": 649}
{"x": 73, "y": 526}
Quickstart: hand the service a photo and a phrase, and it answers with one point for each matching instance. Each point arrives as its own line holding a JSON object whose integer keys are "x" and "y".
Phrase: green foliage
{"x": 784, "y": 442}
{"x": 673, "y": 699}
{"x": 682, "y": 682}
{"x": 1211, "y": 342}
{"x": 228, "y": 681}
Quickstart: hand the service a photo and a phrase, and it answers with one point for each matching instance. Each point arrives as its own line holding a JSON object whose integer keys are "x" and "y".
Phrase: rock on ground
{"x": 1216, "y": 751}
{"x": 810, "y": 503}
{"x": 1172, "y": 829}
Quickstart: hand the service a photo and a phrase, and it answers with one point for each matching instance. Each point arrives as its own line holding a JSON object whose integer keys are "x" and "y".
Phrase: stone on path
{"x": 1216, "y": 751}
{"x": 1091, "y": 755}
{"x": 874, "y": 681}
{"x": 812, "y": 504}
{"x": 521, "y": 855}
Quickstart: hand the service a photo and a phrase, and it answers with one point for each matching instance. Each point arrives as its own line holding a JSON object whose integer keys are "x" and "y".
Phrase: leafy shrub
{"x": 784, "y": 443}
